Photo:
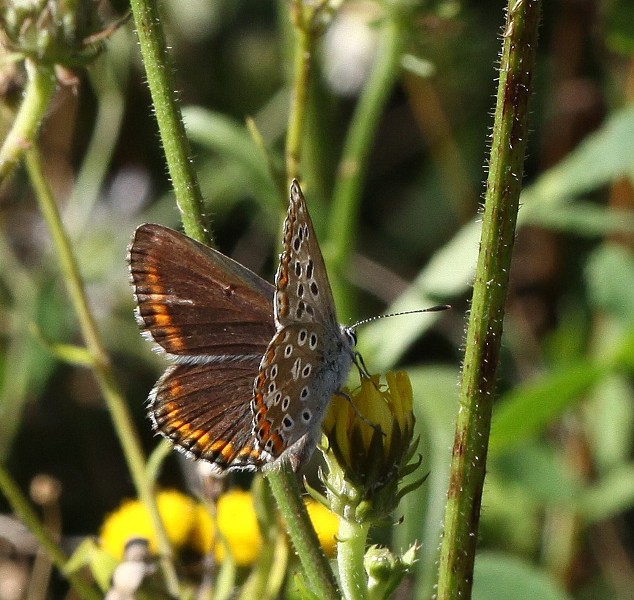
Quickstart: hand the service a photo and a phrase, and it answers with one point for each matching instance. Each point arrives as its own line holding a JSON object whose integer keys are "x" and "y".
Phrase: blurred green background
{"x": 557, "y": 518}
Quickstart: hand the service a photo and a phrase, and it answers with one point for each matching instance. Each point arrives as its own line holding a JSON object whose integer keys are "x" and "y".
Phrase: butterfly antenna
{"x": 438, "y": 308}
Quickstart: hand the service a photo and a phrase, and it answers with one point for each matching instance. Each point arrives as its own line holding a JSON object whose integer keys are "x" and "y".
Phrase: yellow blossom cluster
{"x": 189, "y": 524}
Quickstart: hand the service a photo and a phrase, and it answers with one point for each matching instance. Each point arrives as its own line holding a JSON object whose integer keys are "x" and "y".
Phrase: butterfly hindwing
{"x": 204, "y": 411}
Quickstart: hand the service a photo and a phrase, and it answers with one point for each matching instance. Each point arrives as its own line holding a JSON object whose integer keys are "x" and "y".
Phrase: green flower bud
{"x": 53, "y": 32}
{"x": 368, "y": 447}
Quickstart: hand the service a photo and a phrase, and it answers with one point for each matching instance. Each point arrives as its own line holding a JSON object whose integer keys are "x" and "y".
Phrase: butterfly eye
{"x": 351, "y": 335}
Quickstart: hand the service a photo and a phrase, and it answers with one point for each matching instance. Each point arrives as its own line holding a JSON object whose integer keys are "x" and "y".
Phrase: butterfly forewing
{"x": 194, "y": 301}
{"x": 215, "y": 317}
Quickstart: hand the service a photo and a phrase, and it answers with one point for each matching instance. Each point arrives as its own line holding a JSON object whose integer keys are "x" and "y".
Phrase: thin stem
{"x": 168, "y": 115}
{"x": 301, "y": 78}
{"x": 352, "y": 537}
{"x": 283, "y": 482}
{"x": 38, "y": 92}
{"x": 318, "y": 573}
{"x": 101, "y": 365}
{"x": 487, "y": 308}
{"x": 96, "y": 160}
{"x": 25, "y": 513}
{"x": 354, "y": 161}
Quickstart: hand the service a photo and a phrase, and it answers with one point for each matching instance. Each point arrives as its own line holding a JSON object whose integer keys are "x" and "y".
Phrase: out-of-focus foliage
{"x": 557, "y": 510}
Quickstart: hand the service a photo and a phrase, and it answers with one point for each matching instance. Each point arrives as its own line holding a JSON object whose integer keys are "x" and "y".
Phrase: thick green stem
{"x": 25, "y": 513}
{"x": 101, "y": 365}
{"x": 318, "y": 573}
{"x": 354, "y": 161}
{"x": 487, "y": 308}
{"x": 38, "y": 92}
{"x": 351, "y": 538}
{"x": 168, "y": 115}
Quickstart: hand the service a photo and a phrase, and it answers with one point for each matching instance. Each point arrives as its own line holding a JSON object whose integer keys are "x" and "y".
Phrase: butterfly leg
{"x": 360, "y": 364}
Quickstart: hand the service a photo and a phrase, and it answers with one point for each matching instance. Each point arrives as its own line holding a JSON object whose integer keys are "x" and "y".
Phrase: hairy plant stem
{"x": 315, "y": 566}
{"x": 158, "y": 69}
{"x": 283, "y": 482}
{"x": 101, "y": 365}
{"x": 484, "y": 332}
{"x": 352, "y": 538}
{"x": 301, "y": 79}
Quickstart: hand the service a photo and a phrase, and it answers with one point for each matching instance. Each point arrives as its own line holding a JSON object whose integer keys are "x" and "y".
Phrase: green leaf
{"x": 610, "y": 281}
{"x": 540, "y": 471}
{"x": 580, "y": 218}
{"x": 603, "y": 157}
{"x": 610, "y": 422}
{"x": 101, "y": 564}
{"x": 231, "y": 140}
{"x": 448, "y": 274}
{"x": 505, "y": 577}
{"x": 612, "y": 495}
{"x": 529, "y": 408}
{"x": 619, "y": 26}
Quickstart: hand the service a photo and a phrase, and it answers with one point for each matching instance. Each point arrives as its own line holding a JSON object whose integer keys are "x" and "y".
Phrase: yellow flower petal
{"x": 132, "y": 520}
{"x": 239, "y": 526}
{"x": 326, "y": 524}
{"x": 204, "y": 532}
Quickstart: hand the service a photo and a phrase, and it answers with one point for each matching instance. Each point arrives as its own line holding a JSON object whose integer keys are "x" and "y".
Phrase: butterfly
{"x": 255, "y": 364}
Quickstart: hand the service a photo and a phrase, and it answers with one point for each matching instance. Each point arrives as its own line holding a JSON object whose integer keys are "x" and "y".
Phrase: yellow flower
{"x": 368, "y": 445}
{"x": 238, "y": 525}
{"x": 239, "y": 528}
{"x": 132, "y": 520}
{"x": 190, "y": 524}
{"x": 325, "y": 523}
